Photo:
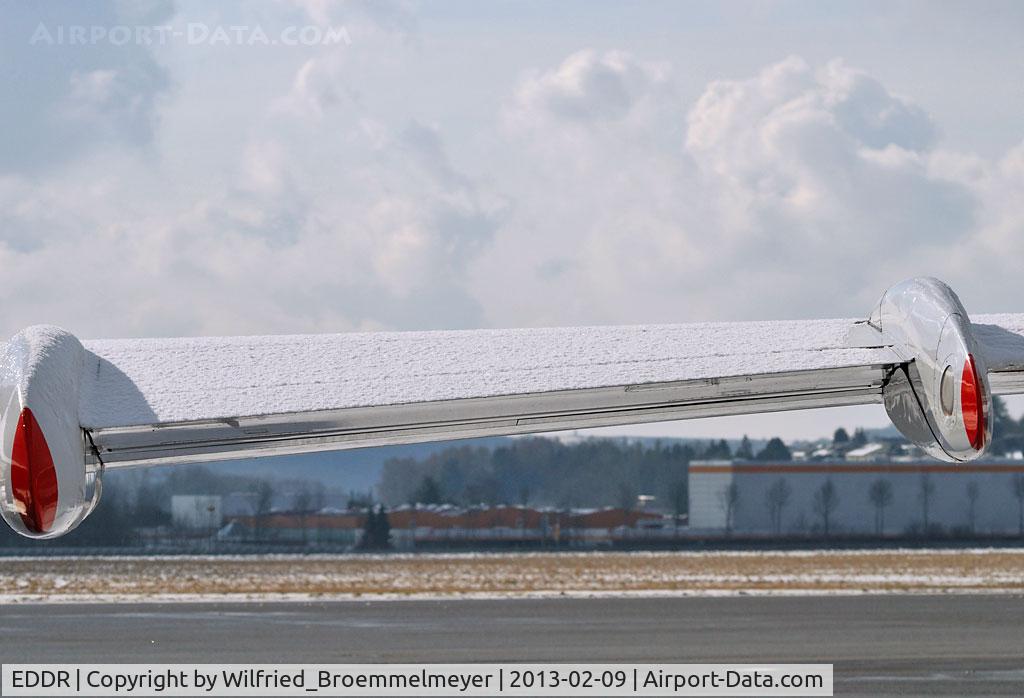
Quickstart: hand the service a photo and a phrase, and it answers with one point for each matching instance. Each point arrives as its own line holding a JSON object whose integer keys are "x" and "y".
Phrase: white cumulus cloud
{"x": 797, "y": 178}
{"x": 329, "y": 199}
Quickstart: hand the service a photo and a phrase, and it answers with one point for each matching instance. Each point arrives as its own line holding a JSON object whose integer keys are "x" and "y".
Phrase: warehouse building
{"x": 855, "y": 498}
{"x": 441, "y": 525}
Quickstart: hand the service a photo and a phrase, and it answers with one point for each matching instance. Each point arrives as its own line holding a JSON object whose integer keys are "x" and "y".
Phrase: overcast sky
{"x": 468, "y": 164}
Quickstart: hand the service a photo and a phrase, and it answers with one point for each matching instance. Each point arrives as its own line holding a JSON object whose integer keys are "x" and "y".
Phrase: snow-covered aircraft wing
{"x": 1001, "y": 340}
{"x": 71, "y": 408}
{"x": 199, "y": 399}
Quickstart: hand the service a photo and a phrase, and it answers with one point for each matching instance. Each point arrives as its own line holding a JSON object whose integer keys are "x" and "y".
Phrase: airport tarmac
{"x": 951, "y": 645}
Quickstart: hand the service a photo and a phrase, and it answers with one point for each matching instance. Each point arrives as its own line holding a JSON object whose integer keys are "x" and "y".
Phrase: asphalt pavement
{"x": 951, "y": 645}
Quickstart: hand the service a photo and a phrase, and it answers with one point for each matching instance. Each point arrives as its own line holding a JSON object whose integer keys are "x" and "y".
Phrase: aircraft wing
{"x": 1001, "y": 337}
{"x": 177, "y": 400}
{"x": 72, "y": 408}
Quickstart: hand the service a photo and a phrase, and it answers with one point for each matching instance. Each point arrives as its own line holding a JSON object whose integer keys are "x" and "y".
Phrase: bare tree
{"x": 776, "y": 498}
{"x": 880, "y": 494}
{"x": 745, "y": 451}
{"x": 524, "y": 495}
{"x": 302, "y": 504}
{"x": 826, "y": 499}
{"x": 973, "y": 492}
{"x": 927, "y": 489}
{"x": 679, "y": 496}
{"x": 729, "y": 499}
{"x": 627, "y": 496}
{"x": 1018, "y": 491}
{"x": 319, "y": 498}
{"x": 264, "y": 504}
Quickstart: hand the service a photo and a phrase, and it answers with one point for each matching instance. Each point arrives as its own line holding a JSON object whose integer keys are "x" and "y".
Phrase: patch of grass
{"x": 854, "y": 572}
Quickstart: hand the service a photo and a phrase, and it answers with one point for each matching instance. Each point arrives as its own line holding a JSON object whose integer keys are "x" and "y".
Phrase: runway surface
{"x": 880, "y": 645}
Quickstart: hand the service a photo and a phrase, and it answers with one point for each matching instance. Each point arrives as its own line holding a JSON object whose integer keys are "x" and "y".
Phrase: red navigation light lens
{"x": 972, "y": 405}
{"x": 33, "y": 477}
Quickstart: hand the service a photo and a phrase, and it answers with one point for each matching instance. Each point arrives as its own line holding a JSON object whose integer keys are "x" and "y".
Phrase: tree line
{"x": 548, "y": 472}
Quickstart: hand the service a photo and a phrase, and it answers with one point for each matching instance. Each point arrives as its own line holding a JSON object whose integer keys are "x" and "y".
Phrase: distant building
{"x": 191, "y": 511}
{"x": 448, "y": 525}
{"x": 343, "y": 528}
{"x": 414, "y": 525}
{"x": 788, "y": 498}
{"x": 867, "y": 452}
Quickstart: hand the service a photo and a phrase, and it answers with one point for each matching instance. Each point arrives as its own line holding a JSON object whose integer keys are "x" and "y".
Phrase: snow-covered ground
{"x": 301, "y": 578}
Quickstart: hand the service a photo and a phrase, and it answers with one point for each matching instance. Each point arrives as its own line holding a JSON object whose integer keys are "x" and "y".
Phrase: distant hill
{"x": 353, "y": 469}
{"x": 359, "y": 469}
{"x": 756, "y": 444}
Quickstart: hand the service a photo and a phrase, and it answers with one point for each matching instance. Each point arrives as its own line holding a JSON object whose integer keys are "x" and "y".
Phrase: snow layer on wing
{"x": 1002, "y": 339}
{"x": 146, "y": 381}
